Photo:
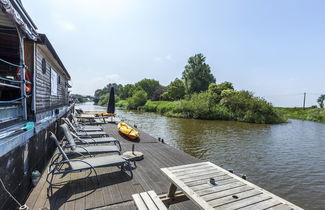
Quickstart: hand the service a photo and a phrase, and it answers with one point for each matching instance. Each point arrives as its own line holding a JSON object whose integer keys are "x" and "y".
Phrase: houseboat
{"x": 34, "y": 96}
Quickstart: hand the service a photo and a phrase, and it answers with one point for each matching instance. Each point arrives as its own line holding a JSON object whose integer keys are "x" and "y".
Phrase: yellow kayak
{"x": 127, "y": 130}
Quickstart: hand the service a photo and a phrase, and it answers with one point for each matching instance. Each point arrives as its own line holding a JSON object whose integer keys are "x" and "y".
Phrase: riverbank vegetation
{"x": 80, "y": 98}
{"x": 196, "y": 95}
{"x": 311, "y": 114}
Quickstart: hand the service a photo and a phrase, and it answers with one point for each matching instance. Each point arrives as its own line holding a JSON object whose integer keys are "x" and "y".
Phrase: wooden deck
{"x": 80, "y": 191}
{"x": 115, "y": 189}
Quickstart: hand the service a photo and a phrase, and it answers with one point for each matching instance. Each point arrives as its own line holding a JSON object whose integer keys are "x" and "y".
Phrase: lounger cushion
{"x": 91, "y": 128}
{"x": 97, "y": 140}
{"x": 94, "y": 149}
{"x": 91, "y": 133}
{"x": 96, "y": 162}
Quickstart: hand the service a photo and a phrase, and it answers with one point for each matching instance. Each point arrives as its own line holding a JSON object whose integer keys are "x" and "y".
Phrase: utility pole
{"x": 304, "y": 106}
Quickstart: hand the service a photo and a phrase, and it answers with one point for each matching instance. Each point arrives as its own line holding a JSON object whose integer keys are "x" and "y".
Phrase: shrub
{"x": 138, "y": 99}
{"x": 103, "y": 100}
{"x": 122, "y": 104}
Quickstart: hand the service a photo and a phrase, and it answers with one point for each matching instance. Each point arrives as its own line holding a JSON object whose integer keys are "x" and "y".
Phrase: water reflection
{"x": 287, "y": 159}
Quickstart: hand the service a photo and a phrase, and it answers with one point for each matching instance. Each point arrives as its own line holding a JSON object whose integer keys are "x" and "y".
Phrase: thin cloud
{"x": 162, "y": 58}
{"x": 67, "y": 26}
{"x": 89, "y": 86}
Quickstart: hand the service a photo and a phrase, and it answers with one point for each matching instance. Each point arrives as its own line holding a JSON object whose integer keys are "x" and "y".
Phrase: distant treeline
{"x": 80, "y": 98}
{"x": 195, "y": 95}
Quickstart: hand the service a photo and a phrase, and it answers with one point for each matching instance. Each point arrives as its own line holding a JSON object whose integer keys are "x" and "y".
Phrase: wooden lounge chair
{"x": 67, "y": 165}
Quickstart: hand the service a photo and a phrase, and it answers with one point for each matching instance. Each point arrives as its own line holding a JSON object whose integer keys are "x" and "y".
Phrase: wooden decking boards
{"x": 115, "y": 189}
{"x": 78, "y": 191}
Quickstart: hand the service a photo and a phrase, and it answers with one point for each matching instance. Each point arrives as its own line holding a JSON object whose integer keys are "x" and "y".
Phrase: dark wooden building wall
{"x": 44, "y": 100}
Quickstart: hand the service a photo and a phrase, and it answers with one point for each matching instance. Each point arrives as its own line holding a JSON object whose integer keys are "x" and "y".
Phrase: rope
{"x": 13, "y": 198}
{"x": 12, "y": 64}
{"x": 14, "y": 100}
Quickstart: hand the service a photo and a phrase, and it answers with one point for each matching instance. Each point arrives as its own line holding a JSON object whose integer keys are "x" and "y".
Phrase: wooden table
{"x": 228, "y": 192}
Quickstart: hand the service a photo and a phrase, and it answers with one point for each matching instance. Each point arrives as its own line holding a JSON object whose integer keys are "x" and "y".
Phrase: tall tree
{"x": 321, "y": 100}
{"x": 149, "y": 86}
{"x": 197, "y": 74}
{"x": 175, "y": 90}
{"x": 127, "y": 91}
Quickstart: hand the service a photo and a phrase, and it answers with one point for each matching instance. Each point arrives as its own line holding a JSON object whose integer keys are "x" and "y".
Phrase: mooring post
{"x": 133, "y": 149}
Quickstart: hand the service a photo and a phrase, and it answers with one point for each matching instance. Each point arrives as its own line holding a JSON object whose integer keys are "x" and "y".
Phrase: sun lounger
{"x": 84, "y": 134}
{"x": 73, "y": 148}
{"x": 80, "y": 127}
{"x": 96, "y": 141}
{"x": 77, "y": 127}
{"x": 67, "y": 165}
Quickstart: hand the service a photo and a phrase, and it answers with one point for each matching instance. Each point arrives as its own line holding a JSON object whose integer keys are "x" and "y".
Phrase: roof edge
{"x": 44, "y": 40}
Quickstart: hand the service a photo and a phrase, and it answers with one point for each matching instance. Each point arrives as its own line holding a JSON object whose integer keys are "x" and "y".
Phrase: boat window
{"x": 43, "y": 65}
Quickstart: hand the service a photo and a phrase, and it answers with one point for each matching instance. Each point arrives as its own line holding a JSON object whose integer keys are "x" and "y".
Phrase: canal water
{"x": 287, "y": 159}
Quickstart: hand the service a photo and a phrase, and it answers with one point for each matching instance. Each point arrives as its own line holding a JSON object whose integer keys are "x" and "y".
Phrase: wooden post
{"x": 22, "y": 74}
{"x": 304, "y": 101}
{"x": 172, "y": 190}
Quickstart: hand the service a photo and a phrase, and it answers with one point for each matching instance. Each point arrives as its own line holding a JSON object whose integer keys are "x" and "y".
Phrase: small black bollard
{"x": 231, "y": 171}
{"x": 135, "y": 126}
{"x": 132, "y": 148}
{"x": 158, "y": 138}
{"x": 213, "y": 181}
{"x": 243, "y": 176}
{"x": 162, "y": 140}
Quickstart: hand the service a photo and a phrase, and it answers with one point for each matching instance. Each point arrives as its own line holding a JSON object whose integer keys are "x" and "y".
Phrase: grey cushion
{"x": 97, "y": 140}
{"x": 91, "y": 133}
{"x": 90, "y": 128}
{"x": 112, "y": 160}
{"x": 93, "y": 149}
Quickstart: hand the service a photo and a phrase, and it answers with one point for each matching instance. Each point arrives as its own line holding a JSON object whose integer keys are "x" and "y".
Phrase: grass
{"x": 310, "y": 114}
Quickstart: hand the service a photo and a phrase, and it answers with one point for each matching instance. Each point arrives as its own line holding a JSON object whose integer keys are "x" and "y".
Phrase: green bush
{"x": 138, "y": 99}
{"x": 161, "y": 107}
{"x": 103, "y": 100}
{"x": 122, "y": 104}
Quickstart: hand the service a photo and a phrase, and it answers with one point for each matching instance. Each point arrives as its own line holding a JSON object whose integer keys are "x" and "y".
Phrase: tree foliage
{"x": 127, "y": 91}
{"x": 215, "y": 90}
{"x": 139, "y": 98}
{"x": 196, "y": 96}
{"x": 106, "y": 90}
{"x": 321, "y": 100}
{"x": 149, "y": 86}
{"x": 175, "y": 91}
{"x": 197, "y": 75}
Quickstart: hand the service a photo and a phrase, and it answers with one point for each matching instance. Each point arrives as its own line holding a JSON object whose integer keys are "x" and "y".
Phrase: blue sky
{"x": 275, "y": 49}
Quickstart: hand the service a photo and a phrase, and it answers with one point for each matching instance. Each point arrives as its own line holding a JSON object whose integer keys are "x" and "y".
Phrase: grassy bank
{"x": 310, "y": 114}
{"x": 200, "y": 110}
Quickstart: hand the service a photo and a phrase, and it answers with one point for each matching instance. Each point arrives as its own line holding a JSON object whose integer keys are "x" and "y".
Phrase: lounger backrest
{"x": 67, "y": 134}
{"x": 53, "y": 138}
{"x": 67, "y": 121}
{"x": 74, "y": 119}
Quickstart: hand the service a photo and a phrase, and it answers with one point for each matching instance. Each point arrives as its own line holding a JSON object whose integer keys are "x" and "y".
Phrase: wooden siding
{"x": 5, "y": 21}
{"x": 44, "y": 100}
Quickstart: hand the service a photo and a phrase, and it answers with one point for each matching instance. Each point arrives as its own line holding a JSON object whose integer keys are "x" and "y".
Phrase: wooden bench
{"x": 148, "y": 201}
